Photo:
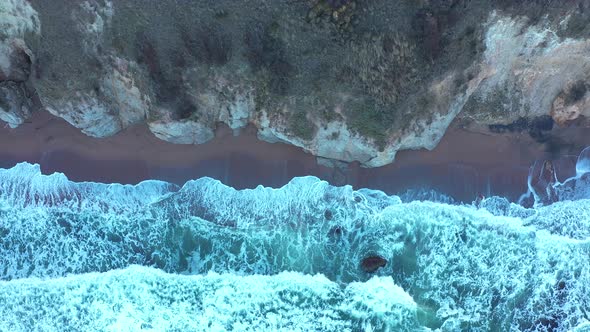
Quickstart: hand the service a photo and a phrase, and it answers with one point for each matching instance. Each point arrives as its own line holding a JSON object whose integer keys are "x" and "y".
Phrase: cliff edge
{"x": 344, "y": 80}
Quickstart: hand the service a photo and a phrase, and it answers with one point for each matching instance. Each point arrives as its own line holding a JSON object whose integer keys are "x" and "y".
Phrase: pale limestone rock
{"x": 118, "y": 102}
{"x": 17, "y": 18}
{"x": 119, "y": 105}
{"x": 88, "y": 113}
{"x": 265, "y": 132}
{"x": 218, "y": 98}
{"x": 234, "y": 111}
{"x": 532, "y": 63}
{"x": 239, "y": 112}
{"x": 15, "y": 106}
{"x": 181, "y": 132}
{"x": 569, "y": 61}
{"x": 562, "y": 112}
{"x": 6, "y": 51}
{"x": 426, "y": 133}
{"x": 15, "y": 60}
{"x": 92, "y": 17}
{"x": 337, "y": 142}
{"x": 222, "y": 97}
{"x": 347, "y": 147}
{"x": 119, "y": 88}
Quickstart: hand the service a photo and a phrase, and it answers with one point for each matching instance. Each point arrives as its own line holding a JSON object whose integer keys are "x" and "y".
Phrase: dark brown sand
{"x": 464, "y": 164}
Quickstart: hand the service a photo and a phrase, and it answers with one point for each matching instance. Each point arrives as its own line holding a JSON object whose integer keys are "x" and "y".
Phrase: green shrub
{"x": 369, "y": 122}
{"x": 301, "y": 127}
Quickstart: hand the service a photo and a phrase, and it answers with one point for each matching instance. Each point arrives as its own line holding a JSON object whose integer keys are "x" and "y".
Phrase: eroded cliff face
{"x": 17, "y": 19}
{"x": 345, "y": 80}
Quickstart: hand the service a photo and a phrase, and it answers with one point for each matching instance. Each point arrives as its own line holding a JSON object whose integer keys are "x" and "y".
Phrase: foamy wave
{"x": 24, "y": 186}
{"x": 545, "y": 189}
{"x": 139, "y": 298}
{"x": 493, "y": 265}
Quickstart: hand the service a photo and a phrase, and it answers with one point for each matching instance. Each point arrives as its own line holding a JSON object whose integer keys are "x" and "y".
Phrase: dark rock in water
{"x": 335, "y": 233}
{"x": 328, "y": 215}
{"x": 542, "y": 182}
{"x": 548, "y": 172}
{"x": 373, "y": 263}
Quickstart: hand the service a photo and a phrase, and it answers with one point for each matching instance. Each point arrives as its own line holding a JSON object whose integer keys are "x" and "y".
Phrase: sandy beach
{"x": 464, "y": 164}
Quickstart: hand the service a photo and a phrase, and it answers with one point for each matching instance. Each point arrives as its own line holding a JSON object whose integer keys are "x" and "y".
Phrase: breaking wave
{"x": 305, "y": 257}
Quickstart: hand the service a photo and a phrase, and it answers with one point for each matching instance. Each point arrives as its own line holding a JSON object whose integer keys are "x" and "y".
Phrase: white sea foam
{"x": 25, "y": 186}
{"x": 494, "y": 265}
{"x": 140, "y": 298}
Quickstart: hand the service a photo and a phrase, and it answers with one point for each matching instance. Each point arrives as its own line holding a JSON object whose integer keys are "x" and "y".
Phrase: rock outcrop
{"x": 344, "y": 80}
{"x": 17, "y": 19}
{"x": 530, "y": 71}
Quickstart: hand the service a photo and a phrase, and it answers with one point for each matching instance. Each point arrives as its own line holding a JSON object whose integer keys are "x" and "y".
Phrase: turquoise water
{"x": 206, "y": 257}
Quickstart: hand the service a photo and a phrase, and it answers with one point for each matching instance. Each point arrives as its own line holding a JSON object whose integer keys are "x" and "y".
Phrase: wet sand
{"x": 463, "y": 165}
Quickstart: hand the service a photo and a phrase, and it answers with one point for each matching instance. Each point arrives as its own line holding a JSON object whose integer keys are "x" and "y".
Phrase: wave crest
{"x": 492, "y": 265}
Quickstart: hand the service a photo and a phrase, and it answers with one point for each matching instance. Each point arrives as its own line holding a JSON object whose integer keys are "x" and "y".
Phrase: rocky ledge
{"x": 345, "y": 80}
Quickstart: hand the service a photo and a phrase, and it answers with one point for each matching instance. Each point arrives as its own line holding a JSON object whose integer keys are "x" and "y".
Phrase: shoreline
{"x": 464, "y": 164}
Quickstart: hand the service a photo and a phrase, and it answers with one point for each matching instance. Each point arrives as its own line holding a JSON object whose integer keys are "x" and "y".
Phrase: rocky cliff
{"x": 345, "y": 80}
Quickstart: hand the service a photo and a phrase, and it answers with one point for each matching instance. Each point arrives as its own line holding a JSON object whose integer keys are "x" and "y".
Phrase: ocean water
{"x": 206, "y": 257}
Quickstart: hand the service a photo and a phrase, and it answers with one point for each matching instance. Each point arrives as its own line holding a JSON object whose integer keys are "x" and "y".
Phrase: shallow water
{"x": 207, "y": 257}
